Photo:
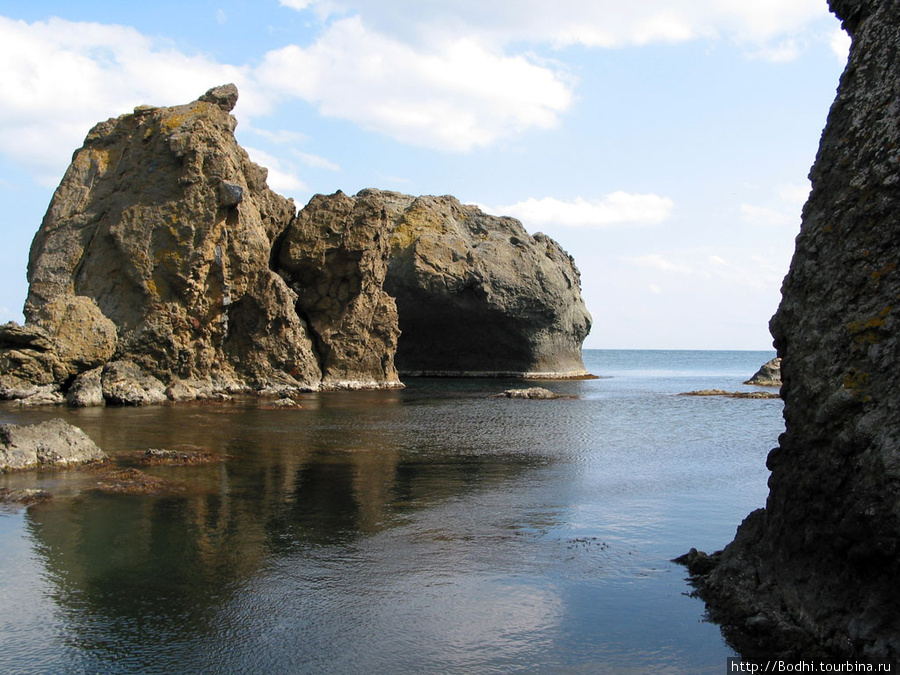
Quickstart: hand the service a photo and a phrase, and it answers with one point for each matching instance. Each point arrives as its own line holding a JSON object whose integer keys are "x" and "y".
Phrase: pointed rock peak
{"x": 224, "y": 96}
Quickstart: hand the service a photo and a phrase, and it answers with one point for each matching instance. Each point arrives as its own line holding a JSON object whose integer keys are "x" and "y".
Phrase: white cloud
{"x": 662, "y": 264}
{"x": 592, "y": 23}
{"x": 454, "y": 96}
{"x": 794, "y": 195}
{"x": 282, "y": 176}
{"x": 840, "y": 44}
{"x": 295, "y": 4}
{"x": 279, "y": 136}
{"x": 316, "y": 162}
{"x": 764, "y": 215}
{"x": 783, "y": 210}
{"x": 759, "y": 269}
{"x": 618, "y": 208}
{"x": 62, "y": 77}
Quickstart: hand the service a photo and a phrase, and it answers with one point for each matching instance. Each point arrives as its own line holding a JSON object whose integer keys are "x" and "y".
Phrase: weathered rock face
{"x": 52, "y": 444}
{"x": 824, "y": 555}
{"x": 477, "y": 295}
{"x": 162, "y": 228}
{"x": 165, "y": 268}
{"x": 335, "y": 256}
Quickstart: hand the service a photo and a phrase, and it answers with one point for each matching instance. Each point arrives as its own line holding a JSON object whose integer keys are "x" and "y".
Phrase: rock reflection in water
{"x": 435, "y": 529}
{"x": 136, "y": 570}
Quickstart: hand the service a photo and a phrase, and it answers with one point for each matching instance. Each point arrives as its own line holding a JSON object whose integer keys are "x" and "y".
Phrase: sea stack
{"x": 166, "y": 269}
{"x": 818, "y": 567}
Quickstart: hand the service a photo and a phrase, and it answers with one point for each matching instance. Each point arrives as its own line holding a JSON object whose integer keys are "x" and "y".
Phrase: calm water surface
{"x": 429, "y": 530}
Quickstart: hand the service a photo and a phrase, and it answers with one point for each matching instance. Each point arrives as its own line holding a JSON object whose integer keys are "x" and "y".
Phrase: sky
{"x": 665, "y": 144}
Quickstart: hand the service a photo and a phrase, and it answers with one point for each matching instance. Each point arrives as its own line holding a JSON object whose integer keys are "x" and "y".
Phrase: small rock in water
{"x": 532, "y": 392}
{"x": 155, "y": 456}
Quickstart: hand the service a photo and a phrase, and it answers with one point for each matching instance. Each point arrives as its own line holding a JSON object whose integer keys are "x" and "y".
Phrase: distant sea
{"x": 436, "y": 529}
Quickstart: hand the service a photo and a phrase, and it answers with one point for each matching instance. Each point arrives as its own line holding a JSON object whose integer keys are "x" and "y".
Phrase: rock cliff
{"x": 165, "y": 268}
{"x": 820, "y": 563}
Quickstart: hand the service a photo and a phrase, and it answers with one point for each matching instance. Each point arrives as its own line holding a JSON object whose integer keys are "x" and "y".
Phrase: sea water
{"x": 436, "y": 529}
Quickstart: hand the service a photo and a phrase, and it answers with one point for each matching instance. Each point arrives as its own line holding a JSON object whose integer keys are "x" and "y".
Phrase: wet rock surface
{"x": 820, "y": 563}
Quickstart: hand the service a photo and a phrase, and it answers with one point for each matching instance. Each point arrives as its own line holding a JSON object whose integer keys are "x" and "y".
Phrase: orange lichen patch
{"x": 877, "y": 274}
{"x": 95, "y": 160}
{"x": 178, "y": 117}
{"x": 859, "y": 383}
{"x": 869, "y": 331}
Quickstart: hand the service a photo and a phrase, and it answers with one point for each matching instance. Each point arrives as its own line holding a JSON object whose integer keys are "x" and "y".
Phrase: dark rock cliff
{"x": 165, "y": 268}
{"x": 819, "y": 565}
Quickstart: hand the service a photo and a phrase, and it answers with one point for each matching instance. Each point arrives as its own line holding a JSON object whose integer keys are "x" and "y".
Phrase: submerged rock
{"x": 822, "y": 560}
{"x": 24, "y": 496}
{"x": 164, "y": 249}
{"x": 731, "y": 394}
{"x": 131, "y": 481}
{"x": 769, "y": 374}
{"x": 52, "y": 444}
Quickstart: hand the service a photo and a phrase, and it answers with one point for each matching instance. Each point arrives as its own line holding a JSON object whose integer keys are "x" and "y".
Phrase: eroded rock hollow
{"x": 166, "y": 269}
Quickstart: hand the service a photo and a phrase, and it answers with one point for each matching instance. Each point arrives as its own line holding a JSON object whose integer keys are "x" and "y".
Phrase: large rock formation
{"x": 821, "y": 561}
{"x": 166, "y": 268}
{"x": 163, "y": 228}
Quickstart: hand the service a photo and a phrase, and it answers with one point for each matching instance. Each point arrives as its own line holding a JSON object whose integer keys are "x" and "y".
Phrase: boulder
{"x": 86, "y": 390}
{"x": 477, "y": 295}
{"x": 52, "y": 444}
{"x": 125, "y": 383}
{"x": 769, "y": 374}
{"x": 822, "y": 559}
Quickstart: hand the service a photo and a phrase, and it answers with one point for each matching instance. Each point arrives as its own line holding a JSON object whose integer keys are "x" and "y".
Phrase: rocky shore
{"x": 816, "y": 570}
{"x": 165, "y": 269}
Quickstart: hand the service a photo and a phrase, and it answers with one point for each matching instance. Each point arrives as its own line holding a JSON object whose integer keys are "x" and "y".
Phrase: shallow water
{"x": 429, "y": 530}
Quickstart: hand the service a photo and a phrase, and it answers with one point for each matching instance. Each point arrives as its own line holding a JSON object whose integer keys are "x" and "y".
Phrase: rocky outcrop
{"x": 474, "y": 295}
{"x": 166, "y": 269}
{"x": 769, "y": 374}
{"x": 334, "y": 256}
{"x": 52, "y": 444}
{"x": 160, "y": 235}
{"x": 822, "y": 560}
{"x": 477, "y": 295}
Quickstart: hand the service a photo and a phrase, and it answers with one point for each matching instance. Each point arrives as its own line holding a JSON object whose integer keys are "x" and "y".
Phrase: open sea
{"x": 434, "y": 529}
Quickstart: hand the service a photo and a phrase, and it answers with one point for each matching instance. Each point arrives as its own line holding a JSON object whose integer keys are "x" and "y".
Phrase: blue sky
{"x": 664, "y": 143}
